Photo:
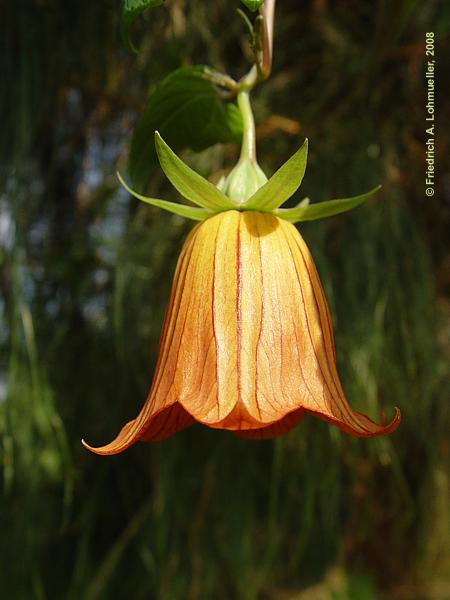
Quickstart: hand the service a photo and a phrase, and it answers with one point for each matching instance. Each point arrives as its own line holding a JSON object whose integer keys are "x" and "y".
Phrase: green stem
{"x": 248, "y": 149}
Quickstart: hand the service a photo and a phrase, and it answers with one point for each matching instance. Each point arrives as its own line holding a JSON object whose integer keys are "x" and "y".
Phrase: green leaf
{"x": 187, "y": 110}
{"x": 282, "y": 185}
{"x": 190, "y": 184}
{"x": 190, "y": 212}
{"x": 131, "y": 9}
{"x": 311, "y": 212}
{"x": 253, "y": 4}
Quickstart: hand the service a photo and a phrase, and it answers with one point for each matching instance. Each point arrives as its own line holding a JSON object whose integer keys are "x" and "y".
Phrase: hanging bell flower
{"x": 247, "y": 341}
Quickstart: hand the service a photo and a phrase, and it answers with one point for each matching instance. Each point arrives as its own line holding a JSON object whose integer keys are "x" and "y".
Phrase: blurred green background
{"x": 85, "y": 275}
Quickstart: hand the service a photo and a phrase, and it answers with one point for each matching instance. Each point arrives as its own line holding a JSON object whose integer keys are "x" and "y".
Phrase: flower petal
{"x": 247, "y": 343}
{"x": 163, "y": 392}
{"x": 328, "y": 399}
{"x": 162, "y": 425}
{"x": 262, "y": 329}
{"x": 287, "y": 423}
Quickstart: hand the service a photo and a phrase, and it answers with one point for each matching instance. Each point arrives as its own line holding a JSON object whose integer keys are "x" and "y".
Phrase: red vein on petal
{"x": 164, "y": 422}
{"x": 339, "y": 402}
{"x": 307, "y": 321}
{"x": 301, "y": 368}
{"x": 173, "y": 308}
{"x": 342, "y": 402}
{"x": 320, "y": 298}
{"x": 213, "y": 312}
{"x": 203, "y": 369}
{"x": 342, "y": 407}
{"x": 332, "y": 372}
{"x": 180, "y": 337}
{"x": 261, "y": 319}
{"x": 277, "y": 406}
{"x": 281, "y": 321}
{"x": 238, "y": 310}
{"x": 176, "y": 287}
{"x": 131, "y": 435}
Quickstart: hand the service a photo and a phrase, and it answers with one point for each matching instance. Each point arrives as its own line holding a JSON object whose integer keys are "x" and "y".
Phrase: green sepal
{"x": 243, "y": 181}
{"x": 190, "y": 184}
{"x": 310, "y": 212}
{"x": 190, "y": 212}
{"x": 282, "y": 185}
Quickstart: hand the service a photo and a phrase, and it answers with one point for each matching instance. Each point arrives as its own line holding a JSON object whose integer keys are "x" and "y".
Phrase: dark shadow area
{"x": 86, "y": 274}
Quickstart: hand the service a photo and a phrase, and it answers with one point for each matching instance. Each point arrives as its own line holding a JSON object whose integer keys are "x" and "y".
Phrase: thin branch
{"x": 268, "y": 14}
{"x": 259, "y": 71}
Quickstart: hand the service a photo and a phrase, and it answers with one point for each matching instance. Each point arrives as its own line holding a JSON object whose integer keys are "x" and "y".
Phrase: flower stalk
{"x": 248, "y": 148}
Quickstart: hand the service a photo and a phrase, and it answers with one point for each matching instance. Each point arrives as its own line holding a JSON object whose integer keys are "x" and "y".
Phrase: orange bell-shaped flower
{"x": 247, "y": 342}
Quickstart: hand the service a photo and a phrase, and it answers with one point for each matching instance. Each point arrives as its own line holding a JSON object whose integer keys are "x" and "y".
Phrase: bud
{"x": 243, "y": 181}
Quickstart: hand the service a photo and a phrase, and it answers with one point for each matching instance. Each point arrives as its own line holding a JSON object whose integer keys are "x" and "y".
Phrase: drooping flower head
{"x": 247, "y": 341}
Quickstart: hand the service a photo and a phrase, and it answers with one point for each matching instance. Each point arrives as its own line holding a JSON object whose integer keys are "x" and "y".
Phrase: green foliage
{"x": 131, "y": 9}
{"x": 253, "y": 4}
{"x": 187, "y": 110}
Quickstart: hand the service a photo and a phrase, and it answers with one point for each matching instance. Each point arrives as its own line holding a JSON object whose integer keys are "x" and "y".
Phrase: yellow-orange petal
{"x": 275, "y": 429}
{"x": 329, "y": 402}
{"x": 160, "y": 426}
{"x": 247, "y": 343}
{"x": 162, "y": 394}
